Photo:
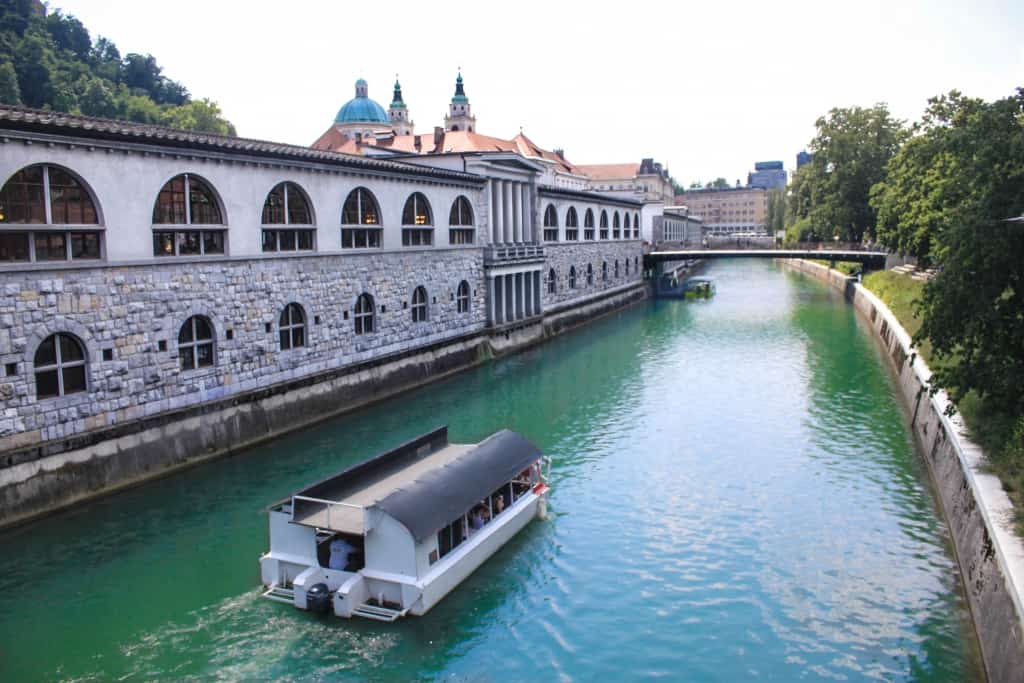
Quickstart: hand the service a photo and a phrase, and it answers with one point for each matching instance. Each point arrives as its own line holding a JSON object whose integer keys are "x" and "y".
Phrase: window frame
{"x": 419, "y": 305}
{"x": 550, "y": 223}
{"x": 31, "y": 232}
{"x": 291, "y": 327}
{"x": 371, "y": 232}
{"x": 552, "y": 281}
{"x": 461, "y": 232}
{"x": 180, "y": 232}
{"x": 59, "y": 366}
{"x": 364, "y": 321}
{"x": 462, "y": 297}
{"x": 196, "y": 342}
{"x": 286, "y": 229}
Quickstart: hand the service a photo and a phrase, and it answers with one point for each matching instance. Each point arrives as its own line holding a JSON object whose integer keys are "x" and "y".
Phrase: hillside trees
{"x": 56, "y": 65}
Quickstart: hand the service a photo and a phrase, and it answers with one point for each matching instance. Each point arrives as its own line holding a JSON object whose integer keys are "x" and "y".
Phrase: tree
{"x": 69, "y": 34}
{"x": 10, "y": 93}
{"x": 199, "y": 115}
{"x": 851, "y": 149}
{"x": 95, "y": 98}
{"x": 973, "y": 310}
{"x": 776, "y": 219}
{"x": 718, "y": 183}
{"x": 918, "y": 200}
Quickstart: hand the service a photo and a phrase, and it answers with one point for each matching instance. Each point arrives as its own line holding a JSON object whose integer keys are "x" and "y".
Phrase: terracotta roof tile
{"x": 610, "y": 171}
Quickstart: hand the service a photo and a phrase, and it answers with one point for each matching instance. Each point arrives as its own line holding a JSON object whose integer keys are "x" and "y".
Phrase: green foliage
{"x": 48, "y": 60}
{"x": 974, "y": 308}
{"x": 922, "y": 194}
{"x": 10, "y": 93}
{"x": 717, "y": 184}
{"x": 851, "y": 149}
{"x": 776, "y": 211}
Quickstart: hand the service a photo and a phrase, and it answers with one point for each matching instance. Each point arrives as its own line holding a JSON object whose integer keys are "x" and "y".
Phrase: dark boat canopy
{"x": 443, "y": 494}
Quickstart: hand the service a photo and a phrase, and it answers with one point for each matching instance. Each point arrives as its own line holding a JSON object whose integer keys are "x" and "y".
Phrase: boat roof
{"x": 424, "y": 483}
{"x": 441, "y": 495}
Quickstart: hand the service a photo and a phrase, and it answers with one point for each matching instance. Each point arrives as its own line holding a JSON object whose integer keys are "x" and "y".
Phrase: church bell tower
{"x": 460, "y": 117}
{"x": 398, "y": 113}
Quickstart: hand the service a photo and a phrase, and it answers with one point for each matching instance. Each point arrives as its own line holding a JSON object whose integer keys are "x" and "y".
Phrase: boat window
{"x": 451, "y": 536}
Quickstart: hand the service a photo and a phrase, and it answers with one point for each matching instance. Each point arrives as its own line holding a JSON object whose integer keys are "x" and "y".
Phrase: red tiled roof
{"x": 610, "y": 171}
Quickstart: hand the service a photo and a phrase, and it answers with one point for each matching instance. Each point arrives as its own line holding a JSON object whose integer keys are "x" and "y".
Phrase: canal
{"x": 735, "y": 496}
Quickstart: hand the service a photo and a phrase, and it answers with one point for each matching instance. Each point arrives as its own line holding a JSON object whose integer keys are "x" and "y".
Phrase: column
{"x": 492, "y": 302}
{"x": 519, "y": 295}
{"x": 517, "y": 212}
{"x": 528, "y": 294}
{"x": 492, "y": 207}
{"x": 536, "y": 293}
{"x": 506, "y": 205}
{"x": 527, "y": 216}
{"x": 510, "y": 302}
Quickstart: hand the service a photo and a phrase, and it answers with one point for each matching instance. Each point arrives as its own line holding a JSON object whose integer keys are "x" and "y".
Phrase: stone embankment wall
{"x": 977, "y": 510}
{"x": 143, "y": 416}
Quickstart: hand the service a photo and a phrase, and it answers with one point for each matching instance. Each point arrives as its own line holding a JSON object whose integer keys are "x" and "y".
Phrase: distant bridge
{"x": 871, "y": 259}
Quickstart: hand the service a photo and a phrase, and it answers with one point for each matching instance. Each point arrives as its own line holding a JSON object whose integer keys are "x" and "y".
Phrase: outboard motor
{"x": 318, "y": 598}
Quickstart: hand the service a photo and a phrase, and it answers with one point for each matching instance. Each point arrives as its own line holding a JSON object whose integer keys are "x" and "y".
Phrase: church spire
{"x": 459, "y": 116}
{"x": 401, "y": 124}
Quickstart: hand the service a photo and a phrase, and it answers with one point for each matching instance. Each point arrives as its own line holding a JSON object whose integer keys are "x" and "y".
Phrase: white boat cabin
{"x": 394, "y": 534}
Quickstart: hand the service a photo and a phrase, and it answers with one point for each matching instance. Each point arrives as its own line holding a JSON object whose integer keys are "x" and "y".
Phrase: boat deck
{"x": 348, "y": 517}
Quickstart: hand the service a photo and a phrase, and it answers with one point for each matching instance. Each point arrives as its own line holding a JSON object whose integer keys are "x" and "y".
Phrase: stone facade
{"x": 561, "y": 257}
{"x": 130, "y": 313}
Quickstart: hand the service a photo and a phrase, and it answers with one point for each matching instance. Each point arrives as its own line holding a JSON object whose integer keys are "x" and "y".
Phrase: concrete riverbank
{"x": 977, "y": 510}
{"x": 105, "y": 461}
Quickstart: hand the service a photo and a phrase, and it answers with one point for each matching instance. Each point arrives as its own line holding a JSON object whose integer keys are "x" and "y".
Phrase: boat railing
{"x": 328, "y": 506}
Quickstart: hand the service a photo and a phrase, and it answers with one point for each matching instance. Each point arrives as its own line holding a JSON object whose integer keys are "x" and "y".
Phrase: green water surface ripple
{"x": 735, "y": 496}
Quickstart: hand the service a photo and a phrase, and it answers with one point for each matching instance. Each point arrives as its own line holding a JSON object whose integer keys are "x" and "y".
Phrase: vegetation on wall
{"x": 48, "y": 60}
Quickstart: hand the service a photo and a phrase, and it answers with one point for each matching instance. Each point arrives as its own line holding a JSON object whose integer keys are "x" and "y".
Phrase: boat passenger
{"x": 340, "y": 549}
{"x": 499, "y": 503}
{"x": 476, "y": 520}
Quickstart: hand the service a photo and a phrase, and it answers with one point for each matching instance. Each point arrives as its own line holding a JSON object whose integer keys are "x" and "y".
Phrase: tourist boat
{"x": 393, "y": 535}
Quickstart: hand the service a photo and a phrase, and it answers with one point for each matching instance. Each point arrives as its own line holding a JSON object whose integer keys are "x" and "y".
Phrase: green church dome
{"x": 361, "y": 109}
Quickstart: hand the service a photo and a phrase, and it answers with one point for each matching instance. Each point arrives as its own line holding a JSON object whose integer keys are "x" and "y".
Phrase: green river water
{"x": 735, "y": 496}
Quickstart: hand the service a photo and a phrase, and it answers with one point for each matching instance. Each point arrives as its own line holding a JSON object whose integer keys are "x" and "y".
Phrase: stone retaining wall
{"x": 977, "y": 509}
{"x": 98, "y": 462}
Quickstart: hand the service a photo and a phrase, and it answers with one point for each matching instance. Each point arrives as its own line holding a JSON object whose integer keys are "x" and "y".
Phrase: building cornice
{"x": 545, "y": 191}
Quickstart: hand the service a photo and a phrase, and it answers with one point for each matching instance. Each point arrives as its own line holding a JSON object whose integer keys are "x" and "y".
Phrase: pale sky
{"x": 706, "y": 88}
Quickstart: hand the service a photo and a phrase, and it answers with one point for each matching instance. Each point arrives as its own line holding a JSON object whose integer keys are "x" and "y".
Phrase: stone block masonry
{"x": 562, "y": 257}
{"x": 129, "y": 319}
{"x": 977, "y": 510}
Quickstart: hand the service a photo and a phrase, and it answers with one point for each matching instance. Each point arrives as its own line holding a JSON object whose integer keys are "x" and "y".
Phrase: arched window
{"x": 616, "y": 225}
{"x": 59, "y": 366}
{"x": 550, "y": 224}
{"x": 604, "y": 225}
{"x": 552, "y": 281}
{"x": 590, "y": 274}
{"x": 616, "y": 269}
{"x": 187, "y": 203}
{"x": 416, "y": 222}
{"x": 419, "y": 305}
{"x": 291, "y": 327}
{"x": 588, "y": 225}
{"x": 572, "y": 277}
{"x": 34, "y": 202}
{"x": 362, "y": 314}
{"x": 636, "y": 226}
{"x": 195, "y": 343}
{"x": 287, "y": 204}
{"x": 604, "y": 271}
{"x": 360, "y": 220}
{"x": 636, "y": 263}
{"x": 572, "y": 231}
{"x": 460, "y": 220}
{"x": 462, "y": 298}
{"x": 626, "y": 263}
